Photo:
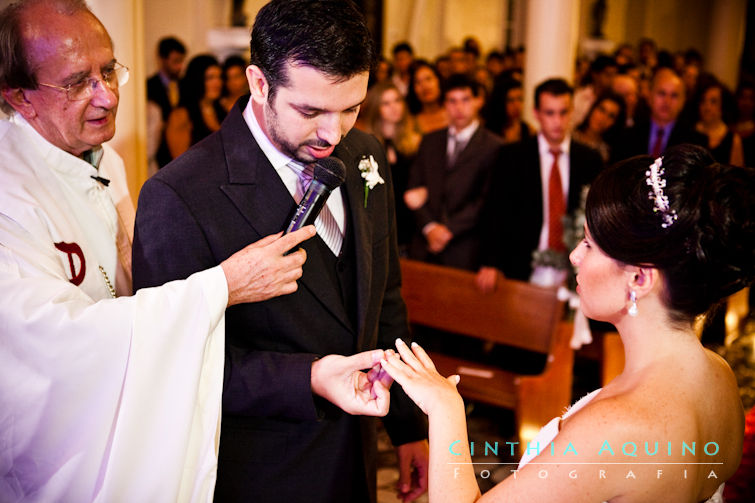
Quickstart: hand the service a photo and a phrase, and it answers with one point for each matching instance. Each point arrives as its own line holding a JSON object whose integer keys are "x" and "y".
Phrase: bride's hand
{"x": 419, "y": 378}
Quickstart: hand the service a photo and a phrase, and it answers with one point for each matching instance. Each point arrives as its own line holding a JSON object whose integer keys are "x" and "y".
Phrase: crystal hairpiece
{"x": 660, "y": 200}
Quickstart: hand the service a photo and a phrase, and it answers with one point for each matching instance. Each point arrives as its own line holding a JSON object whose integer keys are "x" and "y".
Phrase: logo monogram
{"x": 72, "y": 249}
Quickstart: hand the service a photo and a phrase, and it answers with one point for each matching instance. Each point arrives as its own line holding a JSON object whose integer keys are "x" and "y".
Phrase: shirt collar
{"x": 544, "y": 146}
{"x": 94, "y": 156}
{"x": 164, "y": 78}
{"x": 465, "y": 134}
{"x": 654, "y": 126}
{"x": 60, "y": 160}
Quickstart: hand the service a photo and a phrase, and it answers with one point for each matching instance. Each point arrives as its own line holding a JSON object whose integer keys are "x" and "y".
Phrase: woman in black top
{"x": 199, "y": 112}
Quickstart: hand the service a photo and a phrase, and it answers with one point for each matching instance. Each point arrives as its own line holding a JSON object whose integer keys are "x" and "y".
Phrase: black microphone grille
{"x": 330, "y": 171}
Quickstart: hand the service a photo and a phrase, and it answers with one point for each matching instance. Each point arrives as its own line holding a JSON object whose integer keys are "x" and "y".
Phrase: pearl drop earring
{"x": 633, "y": 299}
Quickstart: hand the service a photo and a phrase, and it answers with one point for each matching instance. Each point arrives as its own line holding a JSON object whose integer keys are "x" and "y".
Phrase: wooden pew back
{"x": 516, "y": 314}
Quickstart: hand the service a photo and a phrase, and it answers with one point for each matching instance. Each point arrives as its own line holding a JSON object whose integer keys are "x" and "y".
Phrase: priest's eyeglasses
{"x": 84, "y": 89}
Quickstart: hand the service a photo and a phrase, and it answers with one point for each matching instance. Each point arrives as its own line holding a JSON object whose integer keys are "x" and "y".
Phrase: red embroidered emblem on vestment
{"x": 72, "y": 249}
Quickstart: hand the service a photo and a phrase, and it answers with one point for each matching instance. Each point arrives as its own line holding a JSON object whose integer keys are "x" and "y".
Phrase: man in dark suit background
{"x": 653, "y": 135}
{"x": 450, "y": 178}
{"x": 541, "y": 181}
{"x": 162, "y": 88}
{"x": 282, "y": 438}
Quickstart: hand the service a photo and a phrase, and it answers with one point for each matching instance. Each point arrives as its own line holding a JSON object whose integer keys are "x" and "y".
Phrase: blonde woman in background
{"x": 385, "y": 115}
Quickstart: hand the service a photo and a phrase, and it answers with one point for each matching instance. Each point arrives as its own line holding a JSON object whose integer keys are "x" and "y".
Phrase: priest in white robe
{"x": 104, "y": 396}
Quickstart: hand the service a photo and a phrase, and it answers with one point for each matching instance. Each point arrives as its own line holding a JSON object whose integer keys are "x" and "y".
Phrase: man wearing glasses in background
{"x": 105, "y": 398}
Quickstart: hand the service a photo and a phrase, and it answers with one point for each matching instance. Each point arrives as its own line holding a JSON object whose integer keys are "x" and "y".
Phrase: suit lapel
{"x": 361, "y": 227}
{"x": 470, "y": 148}
{"x": 575, "y": 181}
{"x": 263, "y": 200}
{"x": 537, "y": 185}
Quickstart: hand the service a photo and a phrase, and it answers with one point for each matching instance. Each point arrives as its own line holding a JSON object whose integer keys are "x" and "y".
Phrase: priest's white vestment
{"x": 101, "y": 399}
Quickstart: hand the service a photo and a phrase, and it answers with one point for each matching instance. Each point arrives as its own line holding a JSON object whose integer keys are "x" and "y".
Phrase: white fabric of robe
{"x": 101, "y": 399}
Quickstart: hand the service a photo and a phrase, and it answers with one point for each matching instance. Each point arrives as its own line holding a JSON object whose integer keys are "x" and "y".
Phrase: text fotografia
{"x": 575, "y": 474}
{"x": 630, "y": 449}
{"x": 626, "y": 452}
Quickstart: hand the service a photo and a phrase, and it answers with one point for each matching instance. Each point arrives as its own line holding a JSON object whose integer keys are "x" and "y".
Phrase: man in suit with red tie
{"x": 541, "y": 181}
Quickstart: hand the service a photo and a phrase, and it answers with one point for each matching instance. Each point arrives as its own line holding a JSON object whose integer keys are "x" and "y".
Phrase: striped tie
{"x": 325, "y": 223}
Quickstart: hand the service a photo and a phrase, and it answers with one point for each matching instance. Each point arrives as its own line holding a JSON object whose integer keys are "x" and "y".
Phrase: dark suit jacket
{"x": 455, "y": 194}
{"x": 635, "y": 140}
{"x": 513, "y": 215}
{"x": 157, "y": 93}
{"x": 278, "y": 443}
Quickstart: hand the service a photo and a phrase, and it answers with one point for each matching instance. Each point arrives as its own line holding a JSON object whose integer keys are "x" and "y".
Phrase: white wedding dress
{"x": 548, "y": 432}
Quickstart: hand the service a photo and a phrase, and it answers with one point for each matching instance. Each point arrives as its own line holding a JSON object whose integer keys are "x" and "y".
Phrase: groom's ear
{"x": 258, "y": 84}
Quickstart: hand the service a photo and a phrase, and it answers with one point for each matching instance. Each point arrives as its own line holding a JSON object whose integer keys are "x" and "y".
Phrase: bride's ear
{"x": 642, "y": 280}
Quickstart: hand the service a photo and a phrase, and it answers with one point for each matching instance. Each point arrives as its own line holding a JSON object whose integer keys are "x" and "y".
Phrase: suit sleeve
{"x": 417, "y": 178}
{"x": 170, "y": 244}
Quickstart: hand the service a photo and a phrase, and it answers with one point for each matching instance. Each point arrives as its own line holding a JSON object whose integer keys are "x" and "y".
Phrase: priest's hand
{"x": 262, "y": 270}
{"x": 340, "y": 380}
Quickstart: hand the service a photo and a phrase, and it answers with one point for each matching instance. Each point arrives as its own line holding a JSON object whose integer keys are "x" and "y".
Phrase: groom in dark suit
{"x": 282, "y": 438}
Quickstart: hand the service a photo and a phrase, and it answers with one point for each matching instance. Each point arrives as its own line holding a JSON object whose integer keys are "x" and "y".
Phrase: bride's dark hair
{"x": 707, "y": 253}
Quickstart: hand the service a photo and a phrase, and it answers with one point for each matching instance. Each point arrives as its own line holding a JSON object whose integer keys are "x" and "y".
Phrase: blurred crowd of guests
{"x": 463, "y": 159}
{"x": 185, "y": 105}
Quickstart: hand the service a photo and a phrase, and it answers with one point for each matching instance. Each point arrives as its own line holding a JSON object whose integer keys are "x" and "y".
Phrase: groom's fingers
{"x": 363, "y": 360}
{"x": 378, "y": 373}
{"x": 382, "y": 398}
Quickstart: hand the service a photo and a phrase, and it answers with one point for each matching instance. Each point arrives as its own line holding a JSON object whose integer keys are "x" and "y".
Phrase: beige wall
{"x": 123, "y": 20}
{"x": 189, "y": 20}
{"x": 433, "y": 26}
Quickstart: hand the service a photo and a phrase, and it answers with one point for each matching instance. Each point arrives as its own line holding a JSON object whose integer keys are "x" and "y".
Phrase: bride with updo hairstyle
{"x": 709, "y": 251}
{"x": 666, "y": 241}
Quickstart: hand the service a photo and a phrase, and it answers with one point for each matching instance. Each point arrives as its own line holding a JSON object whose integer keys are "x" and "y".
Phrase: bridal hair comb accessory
{"x": 660, "y": 200}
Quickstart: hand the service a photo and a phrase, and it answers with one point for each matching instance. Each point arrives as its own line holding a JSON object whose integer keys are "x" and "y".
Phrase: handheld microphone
{"x": 329, "y": 174}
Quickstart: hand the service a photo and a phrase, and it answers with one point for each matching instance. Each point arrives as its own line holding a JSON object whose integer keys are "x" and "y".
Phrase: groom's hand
{"x": 340, "y": 380}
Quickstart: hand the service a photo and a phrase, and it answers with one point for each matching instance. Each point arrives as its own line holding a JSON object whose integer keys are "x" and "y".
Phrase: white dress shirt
{"x": 280, "y": 163}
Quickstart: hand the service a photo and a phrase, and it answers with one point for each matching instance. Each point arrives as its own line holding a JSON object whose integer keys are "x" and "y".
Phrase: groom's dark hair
{"x": 327, "y": 35}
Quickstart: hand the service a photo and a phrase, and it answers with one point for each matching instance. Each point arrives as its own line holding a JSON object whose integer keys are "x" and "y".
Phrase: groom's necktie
{"x": 325, "y": 223}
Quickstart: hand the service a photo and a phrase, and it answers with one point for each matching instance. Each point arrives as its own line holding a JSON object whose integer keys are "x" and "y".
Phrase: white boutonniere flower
{"x": 369, "y": 170}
